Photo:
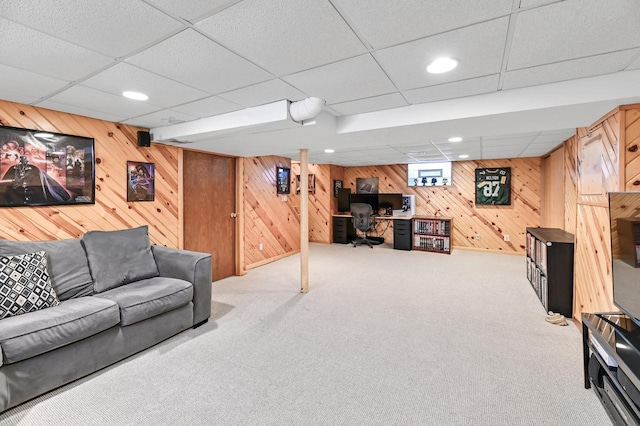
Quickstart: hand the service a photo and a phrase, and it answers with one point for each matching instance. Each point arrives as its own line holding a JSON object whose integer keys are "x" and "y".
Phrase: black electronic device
{"x": 144, "y": 139}
{"x": 389, "y": 202}
{"x": 371, "y": 199}
{"x": 344, "y": 203}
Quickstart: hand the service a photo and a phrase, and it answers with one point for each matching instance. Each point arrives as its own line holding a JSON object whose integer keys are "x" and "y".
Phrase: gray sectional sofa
{"x": 115, "y": 295}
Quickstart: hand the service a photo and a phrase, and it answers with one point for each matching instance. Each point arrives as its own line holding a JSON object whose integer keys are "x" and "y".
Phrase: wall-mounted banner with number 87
{"x": 493, "y": 186}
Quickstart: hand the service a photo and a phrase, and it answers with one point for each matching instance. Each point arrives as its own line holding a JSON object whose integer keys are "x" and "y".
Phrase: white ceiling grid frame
{"x": 611, "y": 25}
{"x": 213, "y": 105}
{"x": 124, "y": 76}
{"x": 263, "y": 93}
{"x": 28, "y": 49}
{"x": 307, "y": 33}
{"x": 132, "y": 24}
{"x": 192, "y": 10}
{"x": 13, "y": 84}
{"x": 452, "y": 90}
{"x": 195, "y": 60}
{"x": 383, "y": 24}
{"x": 374, "y": 103}
{"x": 354, "y": 78}
{"x": 405, "y": 64}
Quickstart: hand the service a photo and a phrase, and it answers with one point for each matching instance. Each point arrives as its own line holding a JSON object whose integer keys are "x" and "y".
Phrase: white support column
{"x": 304, "y": 221}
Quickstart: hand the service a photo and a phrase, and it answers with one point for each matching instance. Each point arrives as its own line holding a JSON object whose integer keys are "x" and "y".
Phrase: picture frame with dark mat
{"x": 337, "y": 184}
{"x": 42, "y": 168}
{"x": 367, "y": 185}
{"x": 140, "y": 181}
{"x": 283, "y": 180}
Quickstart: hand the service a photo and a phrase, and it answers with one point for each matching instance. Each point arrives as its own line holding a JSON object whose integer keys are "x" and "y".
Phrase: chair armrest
{"x": 191, "y": 266}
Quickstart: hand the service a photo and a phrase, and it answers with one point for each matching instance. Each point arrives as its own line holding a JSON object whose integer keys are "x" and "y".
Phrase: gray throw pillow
{"x": 25, "y": 285}
{"x": 119, "y": 257}
{"x": 66, "y": 262}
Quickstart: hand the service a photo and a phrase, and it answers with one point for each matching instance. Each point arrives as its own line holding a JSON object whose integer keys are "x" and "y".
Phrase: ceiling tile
{"x": 160, "y": 118}
{"x": 376, "y": 103}
{"x": 568, "y": 70}
{"x": 406, "y": 64}
{"x": 190, "y": 9}
{"x": 80, "y": 110}
{"x": 635, "y": 64}
{"x": 515, "y": 140}
{"x": 284, "y": 36}
{"x": 456, "y": 89}
{"x": 264, "y": 93}
{"x": 95, "y": 100}
{"x": 208, "y": 107}
{"x": 87, "y": 25}
{"x": 30, "y": 50}
{"x": 354, "y": 78}
{"x": 382, "y": 23}
{"x": 574, "y": 29}
{"x": 25, "y": 85}
{"x": 161, "y": 91}
{"x": 193, "y": 59}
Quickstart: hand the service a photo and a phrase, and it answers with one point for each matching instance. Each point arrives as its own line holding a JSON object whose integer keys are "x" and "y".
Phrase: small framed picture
{"x": 312, "y": 184}
{"x": 140, "y": 181}
{"x": 337, "y": 184}
{"x": 283, "y": 180}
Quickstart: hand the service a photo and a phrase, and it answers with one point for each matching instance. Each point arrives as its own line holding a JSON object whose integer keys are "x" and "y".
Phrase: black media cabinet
{"x": 611, "y": 356}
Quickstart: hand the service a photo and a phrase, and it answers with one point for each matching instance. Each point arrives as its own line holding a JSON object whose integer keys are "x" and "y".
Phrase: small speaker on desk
{"x": 144, "y": 139}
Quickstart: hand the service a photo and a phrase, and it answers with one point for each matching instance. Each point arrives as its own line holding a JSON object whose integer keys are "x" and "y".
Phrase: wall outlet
{"x": 477, "y": 236}
{"x": 506, "y": 237}
{"x": 260, "y": 246}
{"x": 283, "y": 198}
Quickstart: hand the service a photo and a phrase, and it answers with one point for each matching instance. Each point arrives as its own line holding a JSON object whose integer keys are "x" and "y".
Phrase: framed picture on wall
{"x": 283, "y": 180}
{"x": 45, "y": 169}
{"x": 140, "y": 181}
{"x": 367, "y": 185}
{"x": 312, "y": 184}
{"x": 337, "y": 184}
{"x": 493, "y": 186}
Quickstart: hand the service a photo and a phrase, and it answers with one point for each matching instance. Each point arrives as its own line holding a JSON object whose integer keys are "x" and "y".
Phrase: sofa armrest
{"x": 191, "y": 266}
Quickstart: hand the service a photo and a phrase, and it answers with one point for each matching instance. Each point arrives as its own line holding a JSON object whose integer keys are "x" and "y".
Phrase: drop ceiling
{"x": 530, "y": 71}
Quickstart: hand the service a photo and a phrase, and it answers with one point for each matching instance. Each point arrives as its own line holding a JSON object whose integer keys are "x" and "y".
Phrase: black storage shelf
{"x": 550, "y": 268}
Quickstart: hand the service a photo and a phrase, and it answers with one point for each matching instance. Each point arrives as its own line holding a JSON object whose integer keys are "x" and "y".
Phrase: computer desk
{"x": 344, "y": 232}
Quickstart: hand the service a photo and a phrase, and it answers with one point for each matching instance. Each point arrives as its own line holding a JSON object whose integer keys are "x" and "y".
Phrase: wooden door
{"x": 209, "y": 183}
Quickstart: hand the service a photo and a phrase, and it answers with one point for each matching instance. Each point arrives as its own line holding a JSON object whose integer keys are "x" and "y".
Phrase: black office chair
{"x": 361, "y": 216}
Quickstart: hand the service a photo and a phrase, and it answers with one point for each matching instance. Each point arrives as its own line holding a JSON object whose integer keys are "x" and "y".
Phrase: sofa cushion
{"x": 26, "y": 336}
{"x": 25, "y": 285}
{"x": 67, "y": 264}
{"x": 148, "y": 298}
{"x": 119, "y": 257}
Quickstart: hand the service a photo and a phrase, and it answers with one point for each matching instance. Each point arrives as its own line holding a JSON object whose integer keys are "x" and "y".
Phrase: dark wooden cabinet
{"x": 343, "y": 230}
{"x": 402, "y": 234}
{"x": 550, "y": 268}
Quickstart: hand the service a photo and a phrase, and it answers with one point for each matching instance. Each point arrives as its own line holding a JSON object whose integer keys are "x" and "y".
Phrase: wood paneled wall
{"x": 114, "y": 145}
{"x": 597, "y": 172}
{"x": 319, "y": 201}
{"x": 571, "y": 184}
{"x": 631, "y": 152}
{"x": 458, "y": 201}
{"x": 553, "y": 190}
{"x": 267, "y": 219}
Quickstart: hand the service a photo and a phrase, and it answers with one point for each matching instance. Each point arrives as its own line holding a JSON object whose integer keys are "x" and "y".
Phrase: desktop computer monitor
{"x": 371, "y": 199}
{"x": 344, "y": 203}
{"x": 390, "y": 202}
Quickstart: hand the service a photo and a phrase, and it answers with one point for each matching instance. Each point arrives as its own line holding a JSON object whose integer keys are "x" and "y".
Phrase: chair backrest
{"x": 361, "y": 213}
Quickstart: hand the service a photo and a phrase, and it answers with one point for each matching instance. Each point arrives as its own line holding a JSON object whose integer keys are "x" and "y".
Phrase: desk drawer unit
{"x": 343, "y": 230}
{"x": 402, "y": 234}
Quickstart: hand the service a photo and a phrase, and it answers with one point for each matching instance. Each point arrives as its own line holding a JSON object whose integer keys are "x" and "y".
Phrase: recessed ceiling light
{"x": 455, "y": 139}
{"x": 137, "y": 96}
{"x": 329, "y": 150}
{"x": 441, "y": 65}
{"x": 463, "y": 156}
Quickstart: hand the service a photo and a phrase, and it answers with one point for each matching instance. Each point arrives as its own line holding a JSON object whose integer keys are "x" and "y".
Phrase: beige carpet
{"x": 384, "y": 337}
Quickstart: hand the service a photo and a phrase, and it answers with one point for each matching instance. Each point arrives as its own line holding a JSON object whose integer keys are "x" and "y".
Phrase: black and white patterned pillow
{"x": 25, "y": 285}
